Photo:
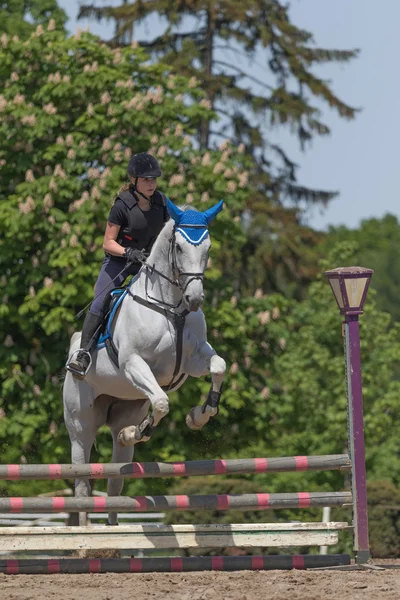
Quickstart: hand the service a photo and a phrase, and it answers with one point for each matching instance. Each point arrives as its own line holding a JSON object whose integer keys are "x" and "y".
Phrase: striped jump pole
{"x": 145, "y": 470}
{"x": 170, "y": 565}
{"x": 162, "y": 503}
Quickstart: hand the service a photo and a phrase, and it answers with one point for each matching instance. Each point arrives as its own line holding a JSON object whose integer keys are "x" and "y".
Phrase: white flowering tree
{"x": 72, "y": 111}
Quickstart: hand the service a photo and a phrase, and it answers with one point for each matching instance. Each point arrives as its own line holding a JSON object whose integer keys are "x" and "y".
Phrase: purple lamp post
{"x": 350, "y": 287}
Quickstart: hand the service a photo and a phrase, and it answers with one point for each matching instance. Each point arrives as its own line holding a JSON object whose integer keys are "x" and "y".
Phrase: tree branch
{"x": 170, "y": 39}
{"x": 243, "y": 74}
{"x": 217, "y": 133}
{"x": 243, "y": 54}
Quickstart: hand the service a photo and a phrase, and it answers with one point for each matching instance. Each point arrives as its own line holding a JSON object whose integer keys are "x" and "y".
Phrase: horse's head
{"x": 189, "y": 248}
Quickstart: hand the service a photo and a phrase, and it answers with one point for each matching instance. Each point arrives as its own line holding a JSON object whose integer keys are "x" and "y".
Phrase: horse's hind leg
{"x": 81, "y": 422}
{"x": 121, "y": 413}
{"x": 121, "y": 454}
{"x": 81, "y": 448}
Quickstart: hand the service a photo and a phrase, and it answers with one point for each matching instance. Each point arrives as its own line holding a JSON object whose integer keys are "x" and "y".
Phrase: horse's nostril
{"x": 187, "y": 298}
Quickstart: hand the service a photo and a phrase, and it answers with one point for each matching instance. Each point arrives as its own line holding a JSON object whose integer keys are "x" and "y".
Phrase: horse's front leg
{"x": 205, "y": 361}
{"x": 139, "y": 374}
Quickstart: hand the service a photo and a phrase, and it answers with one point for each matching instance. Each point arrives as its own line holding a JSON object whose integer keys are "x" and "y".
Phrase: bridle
{"x": 177, "y": 273}
{"x": 172, "y": 255}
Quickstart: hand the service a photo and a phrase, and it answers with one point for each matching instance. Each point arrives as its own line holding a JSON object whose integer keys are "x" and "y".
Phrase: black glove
{"x": 133, "y": 255}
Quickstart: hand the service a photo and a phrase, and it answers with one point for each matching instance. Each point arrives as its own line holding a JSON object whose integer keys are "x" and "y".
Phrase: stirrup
{"x": 79, "y": 373}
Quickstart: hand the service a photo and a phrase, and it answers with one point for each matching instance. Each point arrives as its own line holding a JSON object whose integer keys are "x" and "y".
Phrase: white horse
{"x": 161, "y": 339}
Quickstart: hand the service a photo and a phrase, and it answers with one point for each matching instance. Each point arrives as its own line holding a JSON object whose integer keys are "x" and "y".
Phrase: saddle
{"x": 112, "y": 302}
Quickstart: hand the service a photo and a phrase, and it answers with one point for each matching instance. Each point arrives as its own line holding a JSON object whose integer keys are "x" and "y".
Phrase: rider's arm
{"x": 110, "y": 245}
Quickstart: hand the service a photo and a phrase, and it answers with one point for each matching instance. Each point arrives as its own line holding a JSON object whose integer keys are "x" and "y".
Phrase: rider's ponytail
{"x": 126, "y": 187}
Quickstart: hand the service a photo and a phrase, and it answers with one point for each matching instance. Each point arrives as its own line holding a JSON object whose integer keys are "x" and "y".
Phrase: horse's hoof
{"x": 194, "y": 421}
{"x": 197, "y": 417}
{"x": 129, "y": 436}
{"x": 191, "y": 424}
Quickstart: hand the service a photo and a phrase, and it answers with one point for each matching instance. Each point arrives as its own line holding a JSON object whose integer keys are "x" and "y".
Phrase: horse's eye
{"x": 178, "y": 248}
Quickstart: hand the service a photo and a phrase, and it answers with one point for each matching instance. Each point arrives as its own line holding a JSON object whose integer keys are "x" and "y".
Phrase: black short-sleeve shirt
{"x": 117, "y": 214}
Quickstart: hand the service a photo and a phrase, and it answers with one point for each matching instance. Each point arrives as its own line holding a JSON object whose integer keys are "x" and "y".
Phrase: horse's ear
{"x": 174, "y": 212}
{"x": 212, "y": 212}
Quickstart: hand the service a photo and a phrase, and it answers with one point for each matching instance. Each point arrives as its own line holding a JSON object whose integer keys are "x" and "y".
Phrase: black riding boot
{"x": 80, "y": 360}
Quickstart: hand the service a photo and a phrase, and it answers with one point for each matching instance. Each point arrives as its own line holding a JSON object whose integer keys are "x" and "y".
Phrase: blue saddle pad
{"x": 117, "y": 297}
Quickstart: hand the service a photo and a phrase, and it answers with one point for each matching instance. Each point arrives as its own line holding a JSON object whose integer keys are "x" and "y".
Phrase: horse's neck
{"x": 156, "y": 288}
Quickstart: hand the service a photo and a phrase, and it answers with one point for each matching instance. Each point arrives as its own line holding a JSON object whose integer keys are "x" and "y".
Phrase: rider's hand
{"x": 134, "y": 255}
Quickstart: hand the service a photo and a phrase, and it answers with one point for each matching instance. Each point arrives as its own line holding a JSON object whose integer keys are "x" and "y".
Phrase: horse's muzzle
{"x": 193, "y": 303}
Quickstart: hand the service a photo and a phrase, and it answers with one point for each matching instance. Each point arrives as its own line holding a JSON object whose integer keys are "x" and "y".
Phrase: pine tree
{"x": 203, "y": 38}
{"x": 206, "y": 40}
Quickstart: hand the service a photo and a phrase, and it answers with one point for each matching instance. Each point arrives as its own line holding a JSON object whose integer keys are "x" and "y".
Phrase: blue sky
{"x": 360, "y": 159}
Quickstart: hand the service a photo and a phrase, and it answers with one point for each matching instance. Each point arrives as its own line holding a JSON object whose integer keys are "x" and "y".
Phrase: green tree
{"x": 21, "y": 17}
{"x": 378, "y": 247}
{"x": 313, "y": 402}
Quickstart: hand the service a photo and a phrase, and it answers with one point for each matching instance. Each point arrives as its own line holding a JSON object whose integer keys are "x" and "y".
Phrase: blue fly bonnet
{"x": 193, "y": 225}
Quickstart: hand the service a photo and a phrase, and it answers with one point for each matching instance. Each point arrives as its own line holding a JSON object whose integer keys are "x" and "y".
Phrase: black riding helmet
{"x": 143, "y": 165}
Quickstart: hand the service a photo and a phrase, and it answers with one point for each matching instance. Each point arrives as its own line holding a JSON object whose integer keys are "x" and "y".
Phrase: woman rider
{"x": 134, "y": 222}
